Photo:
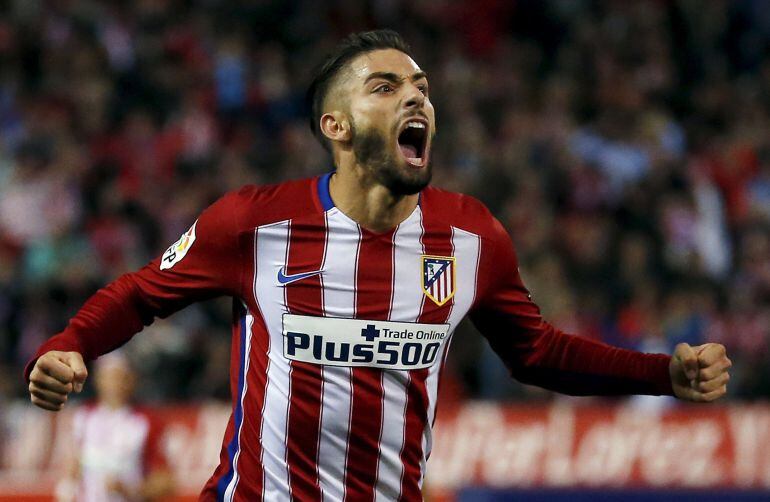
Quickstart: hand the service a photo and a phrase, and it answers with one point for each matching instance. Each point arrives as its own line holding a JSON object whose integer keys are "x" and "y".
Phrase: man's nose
{"x": 415, "y": 98}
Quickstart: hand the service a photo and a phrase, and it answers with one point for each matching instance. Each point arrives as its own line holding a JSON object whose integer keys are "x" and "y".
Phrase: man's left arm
{"x": 537, "y": 353}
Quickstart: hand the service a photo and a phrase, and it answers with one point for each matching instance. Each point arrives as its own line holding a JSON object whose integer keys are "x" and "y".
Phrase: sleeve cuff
{"x": 58, "y": 342}
{"x": 661, "y": 375}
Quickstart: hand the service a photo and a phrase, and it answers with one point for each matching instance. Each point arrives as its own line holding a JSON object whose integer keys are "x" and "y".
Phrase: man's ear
{"x": 335, "y": 126}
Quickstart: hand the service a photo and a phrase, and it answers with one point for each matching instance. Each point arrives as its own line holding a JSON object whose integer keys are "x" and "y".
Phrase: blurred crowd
{"x": 624, "y": 145}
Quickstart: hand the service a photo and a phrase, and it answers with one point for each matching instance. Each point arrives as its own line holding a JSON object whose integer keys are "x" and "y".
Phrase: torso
{"x": 338, "y": 354}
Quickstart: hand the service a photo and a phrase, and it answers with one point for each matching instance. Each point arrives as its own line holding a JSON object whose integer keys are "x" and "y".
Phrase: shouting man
{"x": 347, "y": 290}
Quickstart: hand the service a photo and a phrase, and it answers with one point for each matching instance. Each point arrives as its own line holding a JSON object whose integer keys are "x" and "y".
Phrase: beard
{"x": 383, "y": 166}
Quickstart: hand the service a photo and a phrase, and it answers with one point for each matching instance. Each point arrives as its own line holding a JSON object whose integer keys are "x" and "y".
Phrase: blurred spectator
{"x": 116, "y": 454}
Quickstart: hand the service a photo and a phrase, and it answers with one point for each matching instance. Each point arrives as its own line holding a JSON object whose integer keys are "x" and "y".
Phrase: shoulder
{"x": 148, "y": 418}
{"x": 461, "y": 211}
{"x": 254, "y": 205}
{"x": 84, "y": 412}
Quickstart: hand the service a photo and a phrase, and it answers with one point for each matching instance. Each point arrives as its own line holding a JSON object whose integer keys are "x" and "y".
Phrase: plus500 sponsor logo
{"x": 355, "y": 342}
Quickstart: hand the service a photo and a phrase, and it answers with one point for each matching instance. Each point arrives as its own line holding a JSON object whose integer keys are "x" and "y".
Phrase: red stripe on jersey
{"x": 374, "y": 284}
{"x": 436, "y": 241}
{"x": 446, "y": 347}
{"x": 307, "y": 247}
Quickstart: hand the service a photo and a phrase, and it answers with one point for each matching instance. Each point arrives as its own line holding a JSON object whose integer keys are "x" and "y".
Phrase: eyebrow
{"x": 394, "y": 78}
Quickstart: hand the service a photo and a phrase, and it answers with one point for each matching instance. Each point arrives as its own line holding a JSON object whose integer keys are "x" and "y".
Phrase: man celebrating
{"x": 347, "y": 289}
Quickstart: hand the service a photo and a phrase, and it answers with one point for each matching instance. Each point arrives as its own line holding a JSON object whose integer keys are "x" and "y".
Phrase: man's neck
{"x": 369, "y": 204}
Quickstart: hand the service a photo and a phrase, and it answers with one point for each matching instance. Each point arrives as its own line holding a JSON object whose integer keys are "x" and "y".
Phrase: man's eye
{"x": 383, "y": 88}
{"x": 423, "y": 89}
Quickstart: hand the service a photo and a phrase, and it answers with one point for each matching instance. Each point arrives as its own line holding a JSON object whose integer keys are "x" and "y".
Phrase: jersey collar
{"x": 325, "y": 197}
{"x": 323, "y": 191}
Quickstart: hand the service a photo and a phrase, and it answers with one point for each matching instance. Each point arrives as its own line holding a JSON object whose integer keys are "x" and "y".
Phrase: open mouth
{"x": 412, "y": 141}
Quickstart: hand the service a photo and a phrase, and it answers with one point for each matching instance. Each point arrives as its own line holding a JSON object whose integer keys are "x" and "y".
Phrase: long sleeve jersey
{"x": 340, "y": 334}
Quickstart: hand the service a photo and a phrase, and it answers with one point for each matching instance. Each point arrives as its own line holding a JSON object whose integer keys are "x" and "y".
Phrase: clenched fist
{"x": 699, "y": 373}
{"x": 54, "y": 376}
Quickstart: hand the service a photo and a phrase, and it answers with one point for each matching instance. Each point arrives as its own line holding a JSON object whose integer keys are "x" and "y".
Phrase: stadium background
{"x": 624, "y": 145}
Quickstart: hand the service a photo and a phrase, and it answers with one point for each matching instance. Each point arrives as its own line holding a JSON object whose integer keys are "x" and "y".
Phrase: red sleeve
{"x": 537, "y": 353}
{"x": 202, "y": 264}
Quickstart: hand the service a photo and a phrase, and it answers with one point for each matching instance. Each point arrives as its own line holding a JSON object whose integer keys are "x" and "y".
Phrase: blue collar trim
{"x": 326, "y": 198}
{"x": 323, "y": 191}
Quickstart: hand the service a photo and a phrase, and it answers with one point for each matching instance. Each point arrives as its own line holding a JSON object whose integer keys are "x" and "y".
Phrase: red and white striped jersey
{"x": 340, "y": 335}
{"x": 105, "y": 456}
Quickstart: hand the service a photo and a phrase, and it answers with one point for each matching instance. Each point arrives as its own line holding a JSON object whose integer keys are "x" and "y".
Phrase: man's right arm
{"x": 539, "y": 354}
{"x": 203, "y": 263}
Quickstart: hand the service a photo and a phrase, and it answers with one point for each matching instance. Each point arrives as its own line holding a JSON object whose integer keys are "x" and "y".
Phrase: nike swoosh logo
{"x": 284, "y": 279}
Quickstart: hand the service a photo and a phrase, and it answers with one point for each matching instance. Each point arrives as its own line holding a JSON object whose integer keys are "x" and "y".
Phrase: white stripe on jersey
{"x": 339, "y": 301}
{"x": 272, "y": 249}
{"x": 230, "y": 490}
{"x": 406, "y": 303}
{"x": 467, "y": 246}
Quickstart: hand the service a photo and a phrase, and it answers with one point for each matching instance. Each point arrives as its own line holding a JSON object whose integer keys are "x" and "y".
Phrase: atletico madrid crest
{"x": 438, "y": 278}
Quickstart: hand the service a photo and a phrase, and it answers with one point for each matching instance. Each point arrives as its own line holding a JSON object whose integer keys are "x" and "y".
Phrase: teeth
{"x": 416, "y": 124}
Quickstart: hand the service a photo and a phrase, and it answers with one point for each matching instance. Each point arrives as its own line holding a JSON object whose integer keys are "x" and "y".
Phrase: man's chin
{"x": 406, "y": 179}
{"x": 387, "y": 167}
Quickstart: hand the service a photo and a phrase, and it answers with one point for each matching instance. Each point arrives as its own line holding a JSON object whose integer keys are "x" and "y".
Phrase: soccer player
{"x": 116, "y": 455}
{"x": 347, "y": 289}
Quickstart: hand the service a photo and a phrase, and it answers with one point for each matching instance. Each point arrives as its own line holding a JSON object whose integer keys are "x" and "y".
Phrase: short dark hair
{"x": 351, "y": 46}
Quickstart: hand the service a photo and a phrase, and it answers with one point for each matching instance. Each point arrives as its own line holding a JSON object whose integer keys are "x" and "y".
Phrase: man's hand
{"x": 117, "y": 487}
{"x": 699, "y": 373}
{"x": 54, "y": 376}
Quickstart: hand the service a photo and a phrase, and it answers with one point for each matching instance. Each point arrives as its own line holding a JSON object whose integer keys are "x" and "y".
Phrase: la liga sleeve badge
{"x": 179, "y": 249}
{"x": 438, "y": 278}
